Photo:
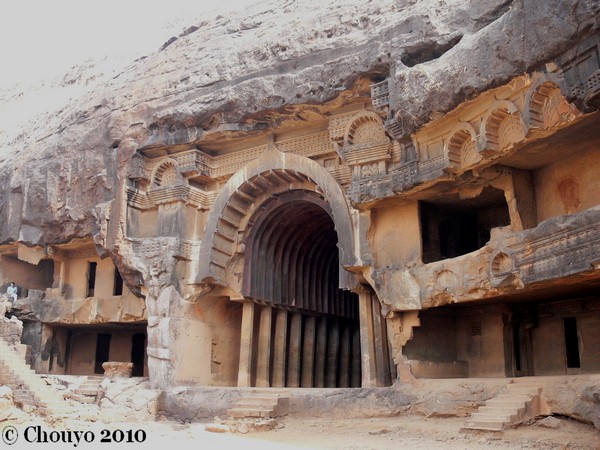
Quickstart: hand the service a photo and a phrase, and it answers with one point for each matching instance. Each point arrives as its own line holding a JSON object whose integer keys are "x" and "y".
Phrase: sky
{"x": 41, "y": 40}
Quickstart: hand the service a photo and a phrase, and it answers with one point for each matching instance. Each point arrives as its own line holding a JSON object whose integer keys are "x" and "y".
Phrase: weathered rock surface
{"x": 240, "y": 74}
{"x": 127, "y": 399}
{"x": 115, "y": 369}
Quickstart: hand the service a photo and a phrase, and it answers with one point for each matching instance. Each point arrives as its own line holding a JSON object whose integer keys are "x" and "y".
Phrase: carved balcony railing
{"x": 380, "y": 95}
{"x": 559, "y": 252}
{"x": 399, "y": 178}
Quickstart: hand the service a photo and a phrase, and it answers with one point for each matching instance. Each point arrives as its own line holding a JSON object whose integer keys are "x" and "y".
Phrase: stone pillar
{"x": 279, "y": 348}
{"x": 332, "y": 354}
{"x": 355, "y": 371}
{"x": 321, "y": 352}
{"x": 293, "y": 369}
{"x": 367, "y": 339}
{"x": 246, "y": 348}
{"x": 61, "y": 277}
{"x": 263, "y": 366}
{"x": 308, "y": 352}
{"x": 344, "y": 366}
{"x": 380, "y": 344}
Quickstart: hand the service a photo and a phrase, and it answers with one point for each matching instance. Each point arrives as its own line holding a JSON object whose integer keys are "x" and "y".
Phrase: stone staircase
{"x": 521, "y": 402}
{"x": 28, "y": 387}
{"x": 87, "y": 392}
{"x": 260, "y": 403}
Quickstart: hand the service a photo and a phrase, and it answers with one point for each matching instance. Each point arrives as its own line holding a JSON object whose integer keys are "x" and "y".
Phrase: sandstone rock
{"x": 114, "y": 369}
{"x": 549, "y": 422}
{"x": 216, "y": 428}
{"x": 128, "y": 398}
{"x": 11, "y": 330}
{"x": 324, "y": 50}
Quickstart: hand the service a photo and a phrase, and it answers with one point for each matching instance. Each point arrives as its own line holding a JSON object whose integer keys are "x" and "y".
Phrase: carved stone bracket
{"x": 155, "y": 259}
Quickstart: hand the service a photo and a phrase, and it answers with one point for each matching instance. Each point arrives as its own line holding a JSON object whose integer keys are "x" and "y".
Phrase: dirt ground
{"x": 406, "y": 431}
{"x": 417, "y": 432}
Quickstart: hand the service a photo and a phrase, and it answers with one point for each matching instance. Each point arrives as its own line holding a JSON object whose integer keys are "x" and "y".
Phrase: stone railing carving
{"x": 560, "y": 252}
{"x": 580, "y": 67}
{"x": 380, "y": 95}
{"x": 399, "y": 177}
{"x": 166, "y": 194}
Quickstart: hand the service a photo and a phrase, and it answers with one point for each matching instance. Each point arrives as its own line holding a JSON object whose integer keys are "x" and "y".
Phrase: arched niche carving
{"x": 365, "y": 139}
{"x": 500, "y": 263}
{"x": 502, "y": 126}
{"x": 245, "y": 192}
{"x": 546, "y": 103}
{"x": 167, "y": 173}
{"x": 461, "y": 147}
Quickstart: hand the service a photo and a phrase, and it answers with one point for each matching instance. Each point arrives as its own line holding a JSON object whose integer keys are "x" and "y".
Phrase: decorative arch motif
{"x": 365, "y": 140}
{"x": 167, "y": 173}
{"x": 365, "y": 128}
{"x": 249, "y": 189}
{"x": 502, "y": 126}
{"x": 500, "y": 263}
{"x": 461, "y": 147}
{"x": 544, "y": 105}
{"x": 291, "y": 257}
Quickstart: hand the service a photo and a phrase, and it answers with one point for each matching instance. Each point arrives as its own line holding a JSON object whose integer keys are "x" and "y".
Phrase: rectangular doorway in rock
{"x": 102, "y": 351}
{"x": 91, "y": 279}
{"x": 138, "y": 354}
{"x": 118, "y": 283}
{"x": 452, "y": 227}
{"x": 571, "y": 343}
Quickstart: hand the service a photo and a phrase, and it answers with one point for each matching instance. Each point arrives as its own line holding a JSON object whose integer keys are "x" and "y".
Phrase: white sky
{"x": 40, "y": 40}
{"x": 43, "y": 38}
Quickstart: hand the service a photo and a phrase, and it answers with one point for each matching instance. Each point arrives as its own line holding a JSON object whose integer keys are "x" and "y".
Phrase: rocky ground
{"x": 409, "y": 431}
{"x": 127, "y": 406}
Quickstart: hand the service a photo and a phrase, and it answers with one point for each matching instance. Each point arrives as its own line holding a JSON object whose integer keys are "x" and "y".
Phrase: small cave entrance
{"x": 452, "y": 227}
{"x": 298, "y": 328}
{"x": 82, "y": 349}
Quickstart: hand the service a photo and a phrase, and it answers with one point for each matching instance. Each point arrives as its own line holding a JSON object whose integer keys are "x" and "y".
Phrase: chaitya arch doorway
{"x": 298, "y": 328}
{"x": 278, "y": 239}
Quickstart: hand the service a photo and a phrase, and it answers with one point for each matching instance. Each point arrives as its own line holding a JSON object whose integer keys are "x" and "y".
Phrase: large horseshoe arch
{"x": 279, "y": 237}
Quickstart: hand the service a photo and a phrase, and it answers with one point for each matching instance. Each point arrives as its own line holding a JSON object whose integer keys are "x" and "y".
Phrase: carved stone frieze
{"x": 380, "y": 95}
{"x": 473, "y": 135}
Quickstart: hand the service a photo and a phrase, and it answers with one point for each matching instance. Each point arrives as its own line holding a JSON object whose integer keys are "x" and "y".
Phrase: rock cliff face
{"x": 230, "y": 77}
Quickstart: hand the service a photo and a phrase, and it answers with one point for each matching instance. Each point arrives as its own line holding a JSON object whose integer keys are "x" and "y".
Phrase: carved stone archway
{"x": 283, "y": 197}
{"x": 247, "y": 190}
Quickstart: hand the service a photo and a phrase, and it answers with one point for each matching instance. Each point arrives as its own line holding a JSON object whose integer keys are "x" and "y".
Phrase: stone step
{"x": 86, "y": 391}
{"x": 486, "y": 426}
{"x": 257, "y": 401}
{"x": 491, "y": 409}
{"x": 83, "y": 398}
{"x": 238, "y": 413}
{"x": 507, "y": 402}
{"x": 507, "y": 409}
{"x": 28, "y": 387}
{"x": 496, "y": 417}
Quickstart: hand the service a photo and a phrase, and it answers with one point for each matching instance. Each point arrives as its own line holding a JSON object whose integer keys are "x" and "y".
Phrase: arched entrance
{"x": 305, "y": 330}
{"x": 278, "y": 234}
